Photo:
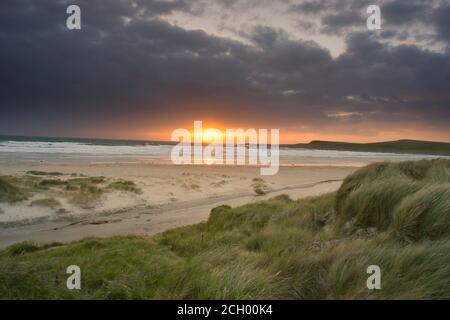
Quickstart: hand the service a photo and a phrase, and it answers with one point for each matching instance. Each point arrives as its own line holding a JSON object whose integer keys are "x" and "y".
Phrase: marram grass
{"x": 394, "y": 215}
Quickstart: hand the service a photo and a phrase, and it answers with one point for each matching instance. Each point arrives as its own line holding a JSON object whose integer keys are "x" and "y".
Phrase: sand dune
{"x": 171, "y": 196}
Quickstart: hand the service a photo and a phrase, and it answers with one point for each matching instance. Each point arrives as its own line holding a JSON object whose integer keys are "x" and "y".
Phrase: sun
{"x": 210, "y": 135}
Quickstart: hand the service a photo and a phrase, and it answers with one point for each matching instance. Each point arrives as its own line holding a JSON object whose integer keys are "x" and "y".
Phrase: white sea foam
{"x": 84, "y": 148}
{"x": 141, "y": 152}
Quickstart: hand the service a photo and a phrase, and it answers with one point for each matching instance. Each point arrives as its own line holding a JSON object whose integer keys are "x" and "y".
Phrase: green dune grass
{"x": 9, "y": 192}
{"x": 394, "y": 215}
{"x": 80, "y": 191}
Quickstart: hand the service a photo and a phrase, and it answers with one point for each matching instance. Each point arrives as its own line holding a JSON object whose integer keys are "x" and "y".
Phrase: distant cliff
{"x": 399, "y": 146}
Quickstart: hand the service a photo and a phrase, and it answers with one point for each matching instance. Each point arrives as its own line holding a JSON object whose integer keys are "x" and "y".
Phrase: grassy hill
{"x": 400, "y": 146}
{"x": 394, "y": 215}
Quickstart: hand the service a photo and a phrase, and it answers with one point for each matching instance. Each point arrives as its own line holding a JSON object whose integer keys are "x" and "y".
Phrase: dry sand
{"x": 172, "y": 196}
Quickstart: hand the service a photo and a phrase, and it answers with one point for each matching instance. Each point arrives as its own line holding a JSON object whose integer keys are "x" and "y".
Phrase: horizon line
{"x": 174, "y": 142}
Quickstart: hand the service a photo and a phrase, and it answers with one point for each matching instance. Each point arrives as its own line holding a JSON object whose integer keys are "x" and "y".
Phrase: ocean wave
{"x": 155, "y": 151}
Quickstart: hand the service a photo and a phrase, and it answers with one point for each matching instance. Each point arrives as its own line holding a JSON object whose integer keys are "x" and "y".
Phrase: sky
{"x": 139, "y": 69}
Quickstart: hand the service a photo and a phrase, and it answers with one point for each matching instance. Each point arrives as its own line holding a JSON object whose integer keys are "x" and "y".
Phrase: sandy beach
{"x": 79, "y": 189}
{"x": 170, "y": 196}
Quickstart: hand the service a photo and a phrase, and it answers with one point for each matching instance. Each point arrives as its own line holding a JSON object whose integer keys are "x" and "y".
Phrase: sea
{"x": 95, "y": 151}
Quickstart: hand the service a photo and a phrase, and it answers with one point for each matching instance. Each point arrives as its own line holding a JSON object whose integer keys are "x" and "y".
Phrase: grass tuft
{"x": 86, "y": 197}
{"x": 9, "y": 192}
{"x": 373, "y": 195}
{"x": 260, "y": 187}
{"x": 424, "y": 214}
{"x": 22, "y": 248}
{"x": 125, "y": 185}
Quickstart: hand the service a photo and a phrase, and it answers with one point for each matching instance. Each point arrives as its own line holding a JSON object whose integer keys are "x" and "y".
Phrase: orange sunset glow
{"x": 288, "y": 135}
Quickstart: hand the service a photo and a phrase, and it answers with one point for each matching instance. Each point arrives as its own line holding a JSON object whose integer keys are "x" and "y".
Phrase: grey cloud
{"x": 334, "y": 23}
{"x": 441, "y": 19}
{"x": 111, "y": 72}
{"x": 404, "y": 12}
{"x": 309, "y": 7}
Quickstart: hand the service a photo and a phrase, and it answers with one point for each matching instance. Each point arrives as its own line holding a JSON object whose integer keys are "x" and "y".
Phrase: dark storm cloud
{"x": 129, "y": 65}
{"x": 441, "y": 19}
{"x": 331, "y": 16}
{"x": 337, "y": 21}
{"x": 109, "y": 68}
{"x": 403, "y": 12}
{"x": 308, "y": 7}
{"x": 423, "y": 21}
{"x": 403, "y": 71}
{"x": 326, "y": 6}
